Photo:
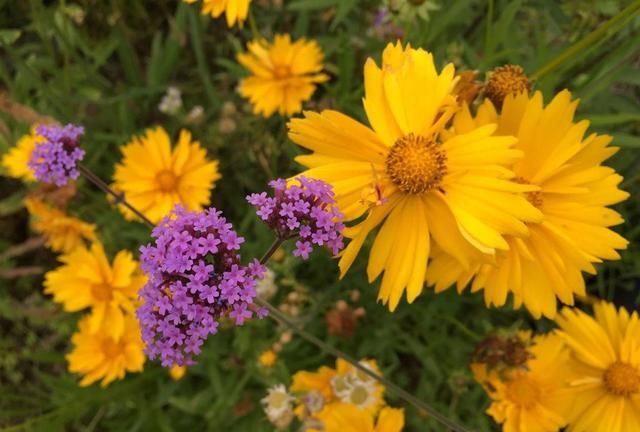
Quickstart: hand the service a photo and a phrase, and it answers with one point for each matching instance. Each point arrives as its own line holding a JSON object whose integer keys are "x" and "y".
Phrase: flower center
{"x": 282, "y": 71}
{"x": 523, "y": 391}
{"x": 110, "y": 348}
{"x": 535, "y": 197}
{"x": 167, "y": 180}
{"x": 101, "y": 292}
{"x": 622, "y": 379}
{"x": 359, "y": 395}
{"x": 416, "y": 164}
{"x": 504, "y": 81}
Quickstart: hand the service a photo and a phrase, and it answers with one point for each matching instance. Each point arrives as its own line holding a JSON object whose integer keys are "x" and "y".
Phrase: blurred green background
{"x": 108, "y": 63}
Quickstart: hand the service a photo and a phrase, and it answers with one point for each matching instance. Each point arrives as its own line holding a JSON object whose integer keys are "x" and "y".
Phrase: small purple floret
{"x": 195, "y": 281}
{"x": 306, "y": 210}
{"x": 55, "y": 160}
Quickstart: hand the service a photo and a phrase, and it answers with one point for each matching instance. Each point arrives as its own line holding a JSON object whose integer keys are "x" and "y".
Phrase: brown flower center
{"x": 416, "y": 164}
{"x": 111, "y": 348}
{"x": 282, "y": 71}
{"x": 523, "y": 391}
{"x": 504, "y": 81}
{"x": 102, "y": 292}
{"x": 535, "y": 197}
{"x": 167, "y": 180}
{"x": 622, "y": 379}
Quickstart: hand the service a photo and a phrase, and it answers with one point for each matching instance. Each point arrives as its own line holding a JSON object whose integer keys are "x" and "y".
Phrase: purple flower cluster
{"x": 55, "y": 160}
{"x": 306, "y": 210}
{"x": 195, "y": 280}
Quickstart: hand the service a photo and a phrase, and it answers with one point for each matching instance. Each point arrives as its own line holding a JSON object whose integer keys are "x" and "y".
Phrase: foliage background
{"x": 106, "y": 64}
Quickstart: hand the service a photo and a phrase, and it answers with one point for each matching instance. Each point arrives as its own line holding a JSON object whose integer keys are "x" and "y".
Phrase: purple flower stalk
{"x": 195, "y": 281}
{"x": 306, "y": 210}
{"x": 55, "y": 160}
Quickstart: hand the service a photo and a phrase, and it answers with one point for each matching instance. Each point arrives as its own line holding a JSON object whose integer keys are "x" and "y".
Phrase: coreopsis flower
{"x": 605, "y": 358}
{"x": 16, "y": 160}
{"x": 344, "y": 384}
{"x": 343, "y": 417}
{"x": 267, "y": 359}
{"x": 411, "y": 179}
{"x": 574, "y": 190}
{"x": 235, "y": 10}
{"x": 195, "y": 280}
{"x": 154, "y": 178}
{"x": 284, "y": 74}
{"x": 306, "y": 211}
{"x": 97, "y": 356}
{"x": 278, "y": 406}
{"x": 86, "y": 279}
{"x": 177, "y": 372}
{"x": 63, "y": 232}
{"x": 55, "y": 158}
{"x": 531, "y": 397}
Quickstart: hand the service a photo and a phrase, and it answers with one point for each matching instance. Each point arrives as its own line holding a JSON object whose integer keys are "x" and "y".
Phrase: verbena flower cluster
{"x": 307, "y": 210}
{"x": 55, "y": 159}
{"x": 195, "y": 280}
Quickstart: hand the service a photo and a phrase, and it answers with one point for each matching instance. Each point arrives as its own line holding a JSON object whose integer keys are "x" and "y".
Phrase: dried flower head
{"x": 55, "y": 159}
{"x": 504, "y": 81}
{"x": 306, "y": 210}
{"x": 195, "y": 280}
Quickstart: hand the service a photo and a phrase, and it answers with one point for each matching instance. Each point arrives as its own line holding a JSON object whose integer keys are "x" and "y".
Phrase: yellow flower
{"x": 343, "y": 417}
{"x": 284, "y": 74}
{"x": 605, "y": 358}
{"x": 64, "y": 233}
{"x": 98, "y": 356}
{"x": 177, "y": 372}
{"x": 235, "y": 10}
{"x": 87, "y": 280}
{"x": 154, "y": 179}
{"x": 267, "y": 359}
{"x": 575, "y": 190}
{"x": 320, "y": 381}
{"x": 454, "y": 189}
{"x": 531, "y": 398}
{"x": 15, "y": 160}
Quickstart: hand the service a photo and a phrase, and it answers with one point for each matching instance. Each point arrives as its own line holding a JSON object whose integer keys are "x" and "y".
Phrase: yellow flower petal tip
{"x": 235, "y": 11}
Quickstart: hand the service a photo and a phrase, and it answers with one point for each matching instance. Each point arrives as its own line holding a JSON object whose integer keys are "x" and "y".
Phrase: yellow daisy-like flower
{"x": 605, "y": 358}
{"x": 416, "y": 182}
{"x": 177, "y": 372}
{"x": 87, "y": 280}
{"x": 154, "y": 179}
{"x": 98, "y": 356}
{"x": 575, "y": 190}
{"x": 64, "y": 233}
{"x": 533, "y": 398}
{"x": 235, "y": 10}
{"x": 320, "y": 381}
{"x": 284, "y": 74}
{"x": 343, "y": 417}
{"x": 15, "y": 160}
{"x": 267, "y": 359}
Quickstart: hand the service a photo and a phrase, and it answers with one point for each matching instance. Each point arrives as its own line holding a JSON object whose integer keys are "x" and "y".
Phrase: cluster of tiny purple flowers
{"x": 55, "y": 160}
{"x": 195, "y": 279}
{"x": 306, "y": 210}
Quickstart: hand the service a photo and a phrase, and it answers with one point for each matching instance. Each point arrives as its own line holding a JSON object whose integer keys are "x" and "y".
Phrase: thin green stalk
{"x": 252, "y": 25}
{"x": 403, "y": 394}
{"x": 488, "y": 37}
{"x": 600, "y": 34}
{"x": 198, "y": 49}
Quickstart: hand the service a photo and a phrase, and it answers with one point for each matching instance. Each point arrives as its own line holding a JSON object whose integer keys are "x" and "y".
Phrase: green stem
{"x": 600, "y": 34}
{"x": 403, "y": 394}
{"x": 198, "y": 49}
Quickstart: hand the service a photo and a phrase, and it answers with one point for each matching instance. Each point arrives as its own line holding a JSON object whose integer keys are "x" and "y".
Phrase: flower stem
{"x": 118, "y": 197}
{"x": 272, "y": 249}
{"x": 403, "y": 394}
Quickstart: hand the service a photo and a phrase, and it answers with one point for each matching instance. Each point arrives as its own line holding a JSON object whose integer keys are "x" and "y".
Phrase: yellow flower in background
{"x": 342, "y": 417}
{"x": 575, "y": 190}
{"x": 98, "y": 356}
{"x": 605, "y": 359}
{"x": 267, "y": 359}
{"x": 284, "y": 74}
{"x": 235, "y": 10}
{"x": 87, "y": 280}
{"x": 15, "y": 160}
{"x": 64, "y": 233}
{"x": 531, "y": 398}
{"x": 177, "y": 372}
{"x": 415, "y": 182}
{"x": 154, "y": 178}
{"x": 320, "y": 381}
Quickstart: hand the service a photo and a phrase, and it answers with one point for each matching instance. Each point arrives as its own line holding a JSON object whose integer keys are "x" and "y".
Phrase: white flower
{"x": 278, "y": 406}
{"x": 267, "y": 288}
{"x": 171, "y": 102}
